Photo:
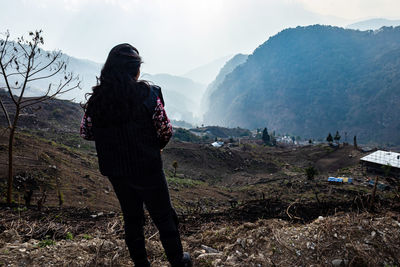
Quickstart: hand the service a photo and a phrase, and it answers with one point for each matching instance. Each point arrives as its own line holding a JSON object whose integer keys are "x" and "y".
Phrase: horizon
{"x": 166, "y": 44}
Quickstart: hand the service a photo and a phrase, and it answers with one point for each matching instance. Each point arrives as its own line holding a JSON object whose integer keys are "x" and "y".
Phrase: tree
{"x": 329, "y": 138}
{"x": 311, "y": 172}
{"x": 21, "y": 63}
{"x": 175, "y": 166}
{"x": 355, "y": 142}
{"x": 265, "y": 137}
{"x": 337, "y": 137}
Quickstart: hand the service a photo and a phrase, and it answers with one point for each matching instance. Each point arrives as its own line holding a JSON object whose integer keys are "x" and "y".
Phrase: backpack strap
{"x": 151, "y": 102}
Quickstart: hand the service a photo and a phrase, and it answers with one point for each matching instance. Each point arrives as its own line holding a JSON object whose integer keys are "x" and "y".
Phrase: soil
{"x": 68, "y": 236}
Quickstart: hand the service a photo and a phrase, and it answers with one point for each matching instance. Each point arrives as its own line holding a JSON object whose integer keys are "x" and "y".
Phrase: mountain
{"x": 226, "y": 69}
{"x": 182, "y": 96}
{"x": 205, "y": 74}
{"x": 373, "y": 24}
{"x": 86, "y": 70}
{"x": 312, "y": 80}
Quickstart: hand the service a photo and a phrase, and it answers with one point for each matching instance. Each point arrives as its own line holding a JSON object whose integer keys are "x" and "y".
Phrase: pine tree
{"x": 337, "y": 137}
{"x": 329, "y": 138}
{"x": 265, "y": 136}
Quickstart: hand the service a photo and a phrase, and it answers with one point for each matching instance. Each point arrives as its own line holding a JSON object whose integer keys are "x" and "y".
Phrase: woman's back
{"x": 130, "y": 147}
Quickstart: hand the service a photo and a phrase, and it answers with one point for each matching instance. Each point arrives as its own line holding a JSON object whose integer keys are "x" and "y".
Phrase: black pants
{"x": 158, "y": 204}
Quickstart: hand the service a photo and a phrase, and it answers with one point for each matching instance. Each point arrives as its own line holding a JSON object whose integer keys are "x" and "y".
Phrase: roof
{"x": 383, "y": 158}
{"x": 217, "y": 144}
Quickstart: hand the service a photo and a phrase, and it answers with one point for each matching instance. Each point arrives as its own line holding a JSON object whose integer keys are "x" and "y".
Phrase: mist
{"x": 174, "y": 36}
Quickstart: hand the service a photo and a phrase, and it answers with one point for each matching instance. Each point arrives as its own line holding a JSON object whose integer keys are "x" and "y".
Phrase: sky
{"x": 176, "y": 36}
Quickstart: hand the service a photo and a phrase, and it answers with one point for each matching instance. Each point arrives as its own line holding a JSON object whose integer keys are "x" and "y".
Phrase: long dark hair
{"x": 117, "y": 94}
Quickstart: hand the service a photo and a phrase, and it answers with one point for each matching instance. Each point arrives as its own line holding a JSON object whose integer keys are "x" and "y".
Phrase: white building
{"x": 379, "y": 158}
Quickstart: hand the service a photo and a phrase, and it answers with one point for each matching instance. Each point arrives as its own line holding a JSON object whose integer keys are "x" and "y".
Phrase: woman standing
{"x": 126, "y": 119}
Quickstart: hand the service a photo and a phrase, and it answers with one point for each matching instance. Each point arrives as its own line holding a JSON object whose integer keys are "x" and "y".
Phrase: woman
{"x": 126, "y": 119}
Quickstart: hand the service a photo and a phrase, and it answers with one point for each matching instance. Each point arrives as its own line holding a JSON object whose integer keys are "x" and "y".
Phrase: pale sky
{"x": 175, "y": 36}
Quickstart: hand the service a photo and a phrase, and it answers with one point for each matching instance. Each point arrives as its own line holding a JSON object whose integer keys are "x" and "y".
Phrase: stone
{"x": 10, "y": 236}
{"x": 339, "y": 262}
{"x": 209, "y": 256}
{"x": 373, "y": 234}
{"x": 209, "y": 249}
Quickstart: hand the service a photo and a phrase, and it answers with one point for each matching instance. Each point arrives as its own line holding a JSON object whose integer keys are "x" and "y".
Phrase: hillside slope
{"x": 312, "y": 80}
{"x": 225, "y": 70}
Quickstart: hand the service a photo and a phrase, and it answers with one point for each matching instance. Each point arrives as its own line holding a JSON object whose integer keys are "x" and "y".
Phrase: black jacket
{"x": 131, "y": 149}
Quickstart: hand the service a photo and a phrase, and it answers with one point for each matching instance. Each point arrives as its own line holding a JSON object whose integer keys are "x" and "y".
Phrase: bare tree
{"x": 21, "y": 63}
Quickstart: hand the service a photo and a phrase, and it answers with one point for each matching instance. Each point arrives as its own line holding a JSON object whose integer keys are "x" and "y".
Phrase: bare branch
{"x": 55, "y": 57}
{"x": 23, "y": 48}
{"x": 9, "y": 62}
{"x": 37, "y": 66}
{"x": 63, "y": 91}
{"x": 58, "y": 92}
{"x": 7, "y": 83}
{"x": 28, "y": 69}
{"x": 4, "y": 45}
{"x": 33, "y": 99}
{"x": 5, "y": 113}
{"x": 48, "y": 76}
{"x": 16, "y": 73}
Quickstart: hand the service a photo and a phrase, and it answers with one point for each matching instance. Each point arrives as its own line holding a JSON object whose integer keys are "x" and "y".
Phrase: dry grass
{"x": 357, "y": 239}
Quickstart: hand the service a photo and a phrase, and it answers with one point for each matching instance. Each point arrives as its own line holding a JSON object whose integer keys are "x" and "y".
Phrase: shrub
{"x": 69, "y": 236}
{"x": 46, "y": 242}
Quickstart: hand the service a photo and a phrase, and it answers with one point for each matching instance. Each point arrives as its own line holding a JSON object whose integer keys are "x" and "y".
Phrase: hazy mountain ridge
{"x": 373, "y": 24}
{"x": 182, "y": 95}
{"x": 225, "y": 70}
{"x": 86, "y": 70}
{"x": 311, "y": 80}
{"x": 206, "y": 73}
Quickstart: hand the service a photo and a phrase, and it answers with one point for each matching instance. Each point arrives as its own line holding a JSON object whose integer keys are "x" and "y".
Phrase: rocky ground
{"x": 72, "y": 237}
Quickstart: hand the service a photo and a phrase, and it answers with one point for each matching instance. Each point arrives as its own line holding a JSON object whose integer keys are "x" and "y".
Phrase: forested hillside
{"x": 312, "y": 80}
{"x": 225, "y": 70}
